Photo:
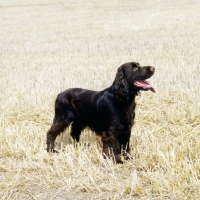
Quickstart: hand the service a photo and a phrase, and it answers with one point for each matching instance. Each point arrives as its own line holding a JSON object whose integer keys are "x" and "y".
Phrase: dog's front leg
{"x": 111, "y": 146}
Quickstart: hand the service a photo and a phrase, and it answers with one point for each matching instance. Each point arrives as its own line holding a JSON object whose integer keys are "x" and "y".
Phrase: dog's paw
{"x": 52, "y": 151}
{"x": 118, "y": 159}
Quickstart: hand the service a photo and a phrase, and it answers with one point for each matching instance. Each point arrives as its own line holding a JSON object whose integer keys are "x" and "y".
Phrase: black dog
{"x": 110, "y": 112}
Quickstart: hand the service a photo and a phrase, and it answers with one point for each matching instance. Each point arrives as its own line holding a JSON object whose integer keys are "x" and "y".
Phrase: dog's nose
{"x": 152, "y": 69}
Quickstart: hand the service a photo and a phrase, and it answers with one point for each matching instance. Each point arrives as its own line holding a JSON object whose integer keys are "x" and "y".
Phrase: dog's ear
{"x": 121, "y": 86}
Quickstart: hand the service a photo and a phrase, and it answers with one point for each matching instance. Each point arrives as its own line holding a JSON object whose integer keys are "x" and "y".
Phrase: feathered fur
{"x": 109, "y": 113}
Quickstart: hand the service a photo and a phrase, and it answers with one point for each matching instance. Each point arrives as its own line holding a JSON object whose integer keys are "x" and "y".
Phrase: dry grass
{"x": 45, "y": 44}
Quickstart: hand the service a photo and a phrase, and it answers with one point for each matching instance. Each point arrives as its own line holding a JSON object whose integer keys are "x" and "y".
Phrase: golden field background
{"x": 47, "y": 47}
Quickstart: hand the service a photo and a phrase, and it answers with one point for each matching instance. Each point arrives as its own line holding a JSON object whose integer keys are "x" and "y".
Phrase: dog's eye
{"x": 135, "y": 69}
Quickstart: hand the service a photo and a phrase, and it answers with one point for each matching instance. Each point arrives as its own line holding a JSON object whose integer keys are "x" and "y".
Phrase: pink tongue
{"x": 152, "y": 89}
{"x": 144, "y": 84}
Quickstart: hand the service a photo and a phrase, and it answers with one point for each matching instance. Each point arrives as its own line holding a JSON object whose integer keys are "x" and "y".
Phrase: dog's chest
{"x": 130, "y": 115}
{"x": 127, "y": 116}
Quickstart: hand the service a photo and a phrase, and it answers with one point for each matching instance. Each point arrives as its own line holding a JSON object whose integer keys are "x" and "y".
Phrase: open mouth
{"x": 144, "y": 84}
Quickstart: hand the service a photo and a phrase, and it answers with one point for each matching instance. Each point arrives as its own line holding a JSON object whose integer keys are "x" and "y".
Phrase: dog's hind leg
{"x": 54, "y": 131}
{"x": 64, "y": 115}
{"x": 76, "y": 131}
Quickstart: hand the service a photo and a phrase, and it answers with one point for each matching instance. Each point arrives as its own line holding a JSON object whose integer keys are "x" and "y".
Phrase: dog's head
{"x": 132, "y": 77}
{"x": 136, "y": 75}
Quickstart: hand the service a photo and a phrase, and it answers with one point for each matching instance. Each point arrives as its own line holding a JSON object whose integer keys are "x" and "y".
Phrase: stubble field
{"x": 47, "y": 47}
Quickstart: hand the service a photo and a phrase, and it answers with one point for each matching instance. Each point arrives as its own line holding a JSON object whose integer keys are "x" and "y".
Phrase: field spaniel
{"x": 109, "y": 113}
